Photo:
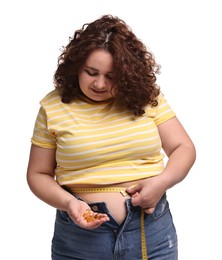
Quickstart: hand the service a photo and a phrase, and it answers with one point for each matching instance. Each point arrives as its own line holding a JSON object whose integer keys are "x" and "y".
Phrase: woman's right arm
{"x": 41, "y": 180}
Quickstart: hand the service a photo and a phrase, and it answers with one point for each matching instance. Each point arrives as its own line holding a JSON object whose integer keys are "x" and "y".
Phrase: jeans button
{"x": 95, "y": 208}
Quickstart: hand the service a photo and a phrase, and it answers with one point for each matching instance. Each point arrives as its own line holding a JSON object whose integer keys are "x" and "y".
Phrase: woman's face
{"x": 95, "y": 78}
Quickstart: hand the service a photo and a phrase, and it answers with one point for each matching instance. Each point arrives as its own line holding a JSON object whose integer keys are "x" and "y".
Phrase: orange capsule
{"x": 90, "y": 216}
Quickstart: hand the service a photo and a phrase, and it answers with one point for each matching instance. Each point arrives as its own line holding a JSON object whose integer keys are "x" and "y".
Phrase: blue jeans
{"x": 113, "y": 241}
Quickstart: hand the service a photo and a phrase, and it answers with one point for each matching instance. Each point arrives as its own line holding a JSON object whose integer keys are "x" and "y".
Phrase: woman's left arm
{"x": 181, "y": 153}
{"x": 180, "y": 150}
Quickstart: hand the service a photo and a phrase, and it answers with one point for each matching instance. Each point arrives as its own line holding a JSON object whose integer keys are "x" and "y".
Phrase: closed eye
{"x": 90, "y": 73}
{"x": 93, "y": 73}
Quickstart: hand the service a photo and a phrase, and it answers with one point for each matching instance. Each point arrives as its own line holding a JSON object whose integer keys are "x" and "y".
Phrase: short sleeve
{"x": 41, "y": 136}
{"x": 163, "y": 111}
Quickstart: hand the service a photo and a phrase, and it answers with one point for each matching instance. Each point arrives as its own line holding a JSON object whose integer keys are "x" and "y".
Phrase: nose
{"x": 100, "y": 82}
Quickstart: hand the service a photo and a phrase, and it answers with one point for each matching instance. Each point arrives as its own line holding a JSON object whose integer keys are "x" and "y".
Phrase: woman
{"x": 98, "y": 146}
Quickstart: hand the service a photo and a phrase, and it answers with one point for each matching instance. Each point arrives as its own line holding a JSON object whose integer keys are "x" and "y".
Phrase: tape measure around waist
{"x": 122, "y": 190}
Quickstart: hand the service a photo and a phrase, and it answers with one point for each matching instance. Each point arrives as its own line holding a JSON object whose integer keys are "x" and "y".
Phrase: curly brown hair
{"x": 134, "y": 69}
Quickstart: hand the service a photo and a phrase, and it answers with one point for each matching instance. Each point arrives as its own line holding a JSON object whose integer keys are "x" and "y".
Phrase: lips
{"x": 98, "y": 91}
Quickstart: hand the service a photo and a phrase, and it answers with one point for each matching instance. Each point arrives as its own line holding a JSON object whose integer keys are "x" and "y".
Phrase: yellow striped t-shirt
{"x": 96, "y": 143}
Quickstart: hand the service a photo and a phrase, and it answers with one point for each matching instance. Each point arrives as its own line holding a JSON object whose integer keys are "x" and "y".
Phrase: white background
{"x": 185, "y": 38}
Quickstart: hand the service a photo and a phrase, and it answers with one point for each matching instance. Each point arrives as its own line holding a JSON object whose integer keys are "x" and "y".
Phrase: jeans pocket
{"x": 161, "y": 208}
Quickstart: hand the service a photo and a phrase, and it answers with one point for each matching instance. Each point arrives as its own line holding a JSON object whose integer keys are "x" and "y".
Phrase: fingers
{"x": 83, "y": 216}
{"x": 136, "y": 199}
{"x": 91, "y": 219}
{"x": 91, "y": 216}
{"x": 133, "y": 189}
{"x": 134, "y": 192}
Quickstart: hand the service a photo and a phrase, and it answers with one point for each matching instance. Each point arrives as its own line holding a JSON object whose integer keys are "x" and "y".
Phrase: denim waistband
{"x": 102, "y": 206}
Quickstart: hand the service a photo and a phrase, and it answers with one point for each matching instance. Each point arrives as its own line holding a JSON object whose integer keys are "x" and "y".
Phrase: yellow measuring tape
{"x": 143, "y": 236}
{"x": 122, "y": 190}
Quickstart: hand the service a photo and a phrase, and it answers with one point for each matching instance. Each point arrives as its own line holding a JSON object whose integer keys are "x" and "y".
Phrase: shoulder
{"x": 151, "y": 110}
{"x": 163, "y": 103}
{"x": 51, "y": 98}
{"x": 162, "y": 111}
{"x": 160, "y": 98}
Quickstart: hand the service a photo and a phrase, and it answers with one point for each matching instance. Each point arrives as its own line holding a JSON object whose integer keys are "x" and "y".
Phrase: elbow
{"x": 189, "y": 154}
{"x": 193, "y": 153}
